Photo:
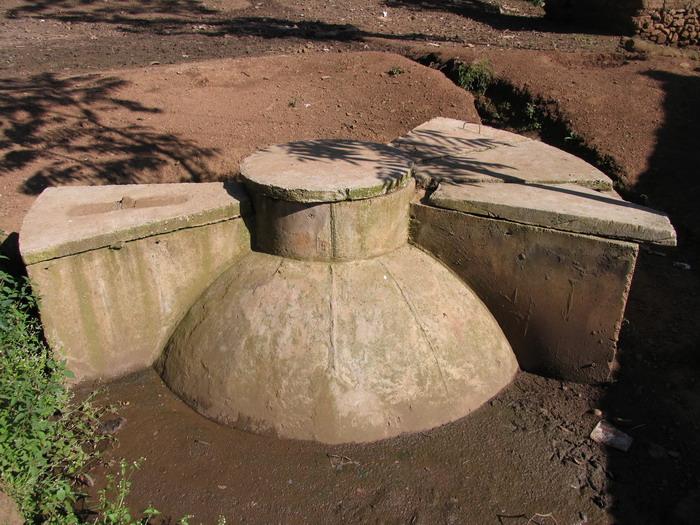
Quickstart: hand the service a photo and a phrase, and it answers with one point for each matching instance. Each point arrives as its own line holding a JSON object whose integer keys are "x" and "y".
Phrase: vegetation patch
{"x": 395, "y": 71}
{"x": 46, "y": 439}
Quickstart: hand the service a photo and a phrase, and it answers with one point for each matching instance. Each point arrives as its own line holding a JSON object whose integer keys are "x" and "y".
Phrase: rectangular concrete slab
{"x": 566, "y": 207}
{"x": 453, "y": 151}
{"x": 559, "y": 297}
{"x": 75, "y": 219}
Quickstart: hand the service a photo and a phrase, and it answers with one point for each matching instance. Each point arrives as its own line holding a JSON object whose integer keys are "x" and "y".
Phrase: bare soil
{"x": 194, "y": 122}
{"x": 95, "y": 92}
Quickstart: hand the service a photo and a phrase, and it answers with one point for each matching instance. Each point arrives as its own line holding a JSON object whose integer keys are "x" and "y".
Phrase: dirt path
{"x": 83, "y": 101}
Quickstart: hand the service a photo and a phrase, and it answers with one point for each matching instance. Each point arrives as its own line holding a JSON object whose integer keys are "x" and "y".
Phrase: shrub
{"x": 395, "y": 71}
{"x": 112, "y": 509}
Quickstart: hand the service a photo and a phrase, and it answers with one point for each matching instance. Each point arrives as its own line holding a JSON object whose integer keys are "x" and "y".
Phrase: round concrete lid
{"x": 326, "y": 170}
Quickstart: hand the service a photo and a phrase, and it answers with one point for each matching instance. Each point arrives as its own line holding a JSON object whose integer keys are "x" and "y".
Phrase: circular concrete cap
{"x": 326, "y": 171}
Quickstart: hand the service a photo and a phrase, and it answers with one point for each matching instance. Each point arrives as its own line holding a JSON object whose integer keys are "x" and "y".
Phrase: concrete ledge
{"x": 74, "y": 219}
{"x": 110, "y": 310}
{"x": 453, "y": 151}
{"x": 559, "y": 297}
{"x": 565, "y": 207}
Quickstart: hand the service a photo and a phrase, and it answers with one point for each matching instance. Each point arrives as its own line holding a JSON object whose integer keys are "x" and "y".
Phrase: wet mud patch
{"x": 525, "y": 452}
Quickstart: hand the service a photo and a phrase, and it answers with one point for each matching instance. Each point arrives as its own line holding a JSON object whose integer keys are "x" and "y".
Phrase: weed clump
{"x": 475, "y": 77}
{"x": 395, "y": 71}
{"x": 46, "y": 439}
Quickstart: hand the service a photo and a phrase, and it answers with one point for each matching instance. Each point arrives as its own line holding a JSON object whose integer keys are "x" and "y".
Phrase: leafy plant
{"x": 112, "y": 508}
{"x": 475, "y": 77}
{"x": 395, "y": 71}
{"x": 532, "y": 116}
{"x": 46, "y": 440}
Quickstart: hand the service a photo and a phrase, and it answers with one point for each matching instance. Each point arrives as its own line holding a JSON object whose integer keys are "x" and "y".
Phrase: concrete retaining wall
{"x": 109, "y": 301}
{"x": 118, "y": 267}
{"x": 559, "y": 297}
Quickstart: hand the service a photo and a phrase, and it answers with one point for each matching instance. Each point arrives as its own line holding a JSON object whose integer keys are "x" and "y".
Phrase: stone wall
{"x": 674, "y": 22}
{"x": 679, "y": 26}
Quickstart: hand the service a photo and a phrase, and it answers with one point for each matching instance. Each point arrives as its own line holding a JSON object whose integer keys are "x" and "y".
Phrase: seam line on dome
{"x": 416, "y": 317}
{"x": 331, "y": 349}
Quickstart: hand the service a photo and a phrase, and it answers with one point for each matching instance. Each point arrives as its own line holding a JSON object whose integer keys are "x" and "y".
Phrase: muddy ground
{"x": 90, "y": 93}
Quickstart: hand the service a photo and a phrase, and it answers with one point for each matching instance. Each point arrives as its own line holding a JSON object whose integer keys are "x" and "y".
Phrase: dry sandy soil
{"x": 115, "y": 91}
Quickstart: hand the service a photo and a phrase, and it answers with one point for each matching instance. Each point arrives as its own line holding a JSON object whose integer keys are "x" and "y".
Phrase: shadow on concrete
{"x": 55, "y": 125}
{"x": 191, "y": 17}
{"x": 657, "y": 396}
{"x": 352, "y": 152}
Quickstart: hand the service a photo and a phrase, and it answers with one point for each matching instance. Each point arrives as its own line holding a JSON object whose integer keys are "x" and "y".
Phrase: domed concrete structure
{"x": 336, "y": 329}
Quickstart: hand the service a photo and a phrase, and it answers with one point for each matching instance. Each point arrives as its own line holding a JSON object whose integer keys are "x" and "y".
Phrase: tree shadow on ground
{"x": 185, "y": 17}
{"x": 657, "y": 396}
{"x": 100, "y": 9}
{"x": 54, "y": 126}
{"x": 488, "y": 13}
{"x": 671, "y": 182}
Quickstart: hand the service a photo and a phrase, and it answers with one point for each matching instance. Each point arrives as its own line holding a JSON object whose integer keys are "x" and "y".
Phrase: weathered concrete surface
{"x": 333, "y": 231}
{"x": 74, "y": 219}
{"x": 338, "y": 352}
{"x": 452, "y": 151}
{"x": 326, "y": 170}
{"x": 565, "y": 207}
{"x": 111, "y": 310}
{"x": 559, "y": 297}
{"x": 9, "y": 512}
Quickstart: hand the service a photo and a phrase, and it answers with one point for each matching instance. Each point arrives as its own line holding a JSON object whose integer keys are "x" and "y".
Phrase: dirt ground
{"x": 116, "y": 91}
{"x": 194, "y": 122}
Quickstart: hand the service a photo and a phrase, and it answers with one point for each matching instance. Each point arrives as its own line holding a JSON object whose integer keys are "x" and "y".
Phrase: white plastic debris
{"x": 682, "y": 266}
{"x": 610, "y": 436}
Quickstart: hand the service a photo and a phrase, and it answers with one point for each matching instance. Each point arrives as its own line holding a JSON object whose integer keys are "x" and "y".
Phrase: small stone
{"x": 606, "y": 434}
{"x": 111, "y": 426}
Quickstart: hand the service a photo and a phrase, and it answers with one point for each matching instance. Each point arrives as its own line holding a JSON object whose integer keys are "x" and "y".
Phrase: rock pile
{"x": 670, "y": 22}
{"x": 670, "y": 26}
